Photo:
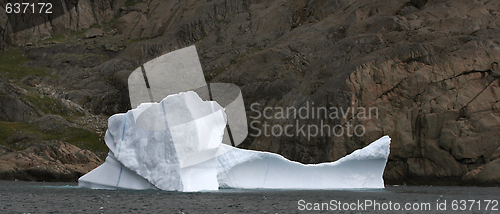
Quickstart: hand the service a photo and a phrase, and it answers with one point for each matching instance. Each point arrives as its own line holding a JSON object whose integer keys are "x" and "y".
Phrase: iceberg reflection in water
{"x": 177, "y": 145}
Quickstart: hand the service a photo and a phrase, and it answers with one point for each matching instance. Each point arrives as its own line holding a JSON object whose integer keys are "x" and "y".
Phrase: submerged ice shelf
{"x": 176, "y": 145}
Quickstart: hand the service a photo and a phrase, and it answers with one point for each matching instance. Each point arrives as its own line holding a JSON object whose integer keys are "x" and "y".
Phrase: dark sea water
{"x": 32, "y": 197}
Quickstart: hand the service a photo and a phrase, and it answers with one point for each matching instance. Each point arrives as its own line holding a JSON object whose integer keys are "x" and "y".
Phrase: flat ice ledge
{"x": 176, "y": 145}
{"x": 364, "y": 168}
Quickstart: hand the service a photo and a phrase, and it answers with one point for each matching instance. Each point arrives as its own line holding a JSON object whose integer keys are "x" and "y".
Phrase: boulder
{"x": 490, "y": 175}
{"x": 93, "y": 32}
{"x": 495, "y": 155}
{"x": 471, "y": 177}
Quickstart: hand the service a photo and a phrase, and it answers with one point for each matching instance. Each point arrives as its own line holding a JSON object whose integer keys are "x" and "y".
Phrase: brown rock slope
{"x": 429, "y": 68}
{"x": 47, "y": 161}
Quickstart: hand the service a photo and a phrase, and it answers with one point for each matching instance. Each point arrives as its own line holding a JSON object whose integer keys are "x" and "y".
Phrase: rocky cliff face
{"x": 65, "y": 17}
{"x": 429, "y": 70}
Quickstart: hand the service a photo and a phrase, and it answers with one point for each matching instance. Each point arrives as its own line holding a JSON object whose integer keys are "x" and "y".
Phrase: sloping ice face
{"x": 177, "y": 145}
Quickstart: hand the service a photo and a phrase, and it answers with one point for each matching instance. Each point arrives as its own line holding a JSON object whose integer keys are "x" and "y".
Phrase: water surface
{"x": 37, "y": 197}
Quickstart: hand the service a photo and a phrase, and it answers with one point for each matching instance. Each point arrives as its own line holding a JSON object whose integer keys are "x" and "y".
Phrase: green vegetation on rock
{"x": 80, "y": 137}
{"x": 6, "y": 130}
{"x": 65, "y": 38}
{"x": 12, "y": 65}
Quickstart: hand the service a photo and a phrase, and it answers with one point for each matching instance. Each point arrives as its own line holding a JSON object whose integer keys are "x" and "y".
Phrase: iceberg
{"x": 177, "y": 145}
{"x": 182, "y": 133}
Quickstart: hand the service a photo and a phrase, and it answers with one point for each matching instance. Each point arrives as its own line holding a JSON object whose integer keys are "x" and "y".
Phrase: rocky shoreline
{"x": 51, "y": 161}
